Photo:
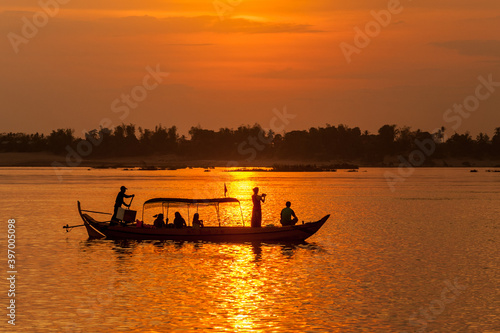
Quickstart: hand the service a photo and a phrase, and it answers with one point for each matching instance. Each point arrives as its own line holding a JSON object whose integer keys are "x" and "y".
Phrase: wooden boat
{"x": 296, "y": 233}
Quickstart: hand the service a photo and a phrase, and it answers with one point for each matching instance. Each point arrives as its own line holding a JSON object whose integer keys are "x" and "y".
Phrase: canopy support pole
{"x": 218, "y": 215}
{"x": 143, "y": 213}
{"x": 242, "y": 219}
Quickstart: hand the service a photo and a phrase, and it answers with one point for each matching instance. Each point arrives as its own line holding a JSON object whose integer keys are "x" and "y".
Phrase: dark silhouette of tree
{"x": 387, "y": 137}
{"x": 440, "y": 134}
{"x": 495, "y": 143}
{"x": 370, "y": 153}
{"x": 145, "y": 139}
{"x": 253, "y": 143}
{"x": 131, "y": 142}
{"x": 460, "y": 145}
{"x": 404, "y": 140}
{"x": 20, "y": 142}
{"x": 59, "y": 139}
{"x": 483, "y": 146}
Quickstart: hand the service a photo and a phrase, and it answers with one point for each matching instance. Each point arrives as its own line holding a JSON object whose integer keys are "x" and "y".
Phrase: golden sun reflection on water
{"x": 241, "y": 187}
{"x": 242, "y": 184}
{"x": 234, "y": 287}
{"x": 242, "y": 294}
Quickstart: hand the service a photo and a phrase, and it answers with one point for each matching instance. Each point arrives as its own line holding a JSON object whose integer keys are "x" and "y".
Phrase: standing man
{"x": 119, "y": 201}
{"x": 256, "y": 210}
{"x": 286, "y": 215}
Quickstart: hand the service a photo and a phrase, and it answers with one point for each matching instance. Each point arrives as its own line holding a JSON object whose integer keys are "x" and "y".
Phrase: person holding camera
{"x": 256, "y": 211}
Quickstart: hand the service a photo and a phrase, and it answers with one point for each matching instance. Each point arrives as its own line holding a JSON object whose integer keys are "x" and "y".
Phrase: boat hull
{"x": 297, "y": 233}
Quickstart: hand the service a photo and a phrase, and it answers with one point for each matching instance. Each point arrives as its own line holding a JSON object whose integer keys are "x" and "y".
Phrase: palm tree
{"x": 440, "y": 134}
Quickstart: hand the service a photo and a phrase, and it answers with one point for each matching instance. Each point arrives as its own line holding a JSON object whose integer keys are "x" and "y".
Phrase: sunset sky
{"x": 235, "y": 66}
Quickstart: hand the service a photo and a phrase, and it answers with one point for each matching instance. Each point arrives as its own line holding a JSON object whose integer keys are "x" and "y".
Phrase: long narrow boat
{"x": 296, "y": 233}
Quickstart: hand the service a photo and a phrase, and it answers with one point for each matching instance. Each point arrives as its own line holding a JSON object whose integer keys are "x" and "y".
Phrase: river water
{"x": 422, "y": 257}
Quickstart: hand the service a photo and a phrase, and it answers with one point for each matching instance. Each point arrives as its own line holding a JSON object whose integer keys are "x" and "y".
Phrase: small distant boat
{"x": 296, "y": 233}
{"x": 473, "y": 170}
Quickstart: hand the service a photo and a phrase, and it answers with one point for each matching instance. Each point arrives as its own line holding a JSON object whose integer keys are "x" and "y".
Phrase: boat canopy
{"x": 168, "y": 202}
{"x": 191, "y": 201}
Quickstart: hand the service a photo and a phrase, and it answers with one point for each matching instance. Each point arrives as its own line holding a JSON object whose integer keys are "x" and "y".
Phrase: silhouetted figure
{"x": 197, "y": 223}
{"x": 179, "y": 221}
{"x": 119, "y": 201}
{"x": 288, "y": 216}
{"x": 256, "y": 211}
{"x": 159, "y": 223}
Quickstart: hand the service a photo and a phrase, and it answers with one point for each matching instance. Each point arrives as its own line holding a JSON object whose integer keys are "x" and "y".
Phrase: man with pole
{"x": 119, "y": 202}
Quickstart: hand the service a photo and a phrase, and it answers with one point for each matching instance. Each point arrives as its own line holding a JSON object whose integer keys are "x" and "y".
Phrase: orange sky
{"x": 233, "y": 68}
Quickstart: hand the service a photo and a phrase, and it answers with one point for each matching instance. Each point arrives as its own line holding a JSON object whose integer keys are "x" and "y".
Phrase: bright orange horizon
{"x": 235, "y": 66}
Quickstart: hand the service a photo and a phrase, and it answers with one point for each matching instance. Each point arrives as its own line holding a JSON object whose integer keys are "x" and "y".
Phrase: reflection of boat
{"x": 296, "y": 233}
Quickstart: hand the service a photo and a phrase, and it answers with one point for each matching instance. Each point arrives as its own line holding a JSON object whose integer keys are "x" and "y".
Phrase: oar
{"x": 79, "y": 225}
{"x": 130, "y": 204}
{"x": 72, "y": 226}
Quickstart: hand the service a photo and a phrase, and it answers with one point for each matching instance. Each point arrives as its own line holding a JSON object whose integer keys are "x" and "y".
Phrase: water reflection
{"x": 239, "y": 284}
{"x": 257, "y": 250}
{"x": 124, "y": 248}
{"x": 377, "y": 261}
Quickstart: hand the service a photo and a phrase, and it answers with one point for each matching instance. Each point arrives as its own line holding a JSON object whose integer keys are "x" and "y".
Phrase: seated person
{"x": 179, "y": 221}
{"x": 159, "y": 223}
{"x": 286, "y": 215}
{"x": 197, "y": 223}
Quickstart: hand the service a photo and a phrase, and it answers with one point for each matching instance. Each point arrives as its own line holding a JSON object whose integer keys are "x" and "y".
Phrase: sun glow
{"x": 256, "y": 56}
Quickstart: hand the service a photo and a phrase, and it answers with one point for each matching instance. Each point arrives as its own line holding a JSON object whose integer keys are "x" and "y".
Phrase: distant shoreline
{"x": 171, "y": 161}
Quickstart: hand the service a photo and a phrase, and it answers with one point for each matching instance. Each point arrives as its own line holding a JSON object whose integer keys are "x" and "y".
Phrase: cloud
{"x": 487, "y": 48}
{"x": 279, "y": 6}
{"x": 192, "y": 44}
{"x": 294, "y": 74}
{"x": 255, "y": 27}
{"x": 333, "y": 73}
{"x": 150, "y": 25}
{"x": 208, "y": 24}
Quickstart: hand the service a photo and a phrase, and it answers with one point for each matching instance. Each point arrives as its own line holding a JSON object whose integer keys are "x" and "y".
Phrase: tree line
{"x": 253, "y": 142}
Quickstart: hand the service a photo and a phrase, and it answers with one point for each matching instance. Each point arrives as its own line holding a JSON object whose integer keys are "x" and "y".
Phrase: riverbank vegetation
{"x": 253, "y": 143}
